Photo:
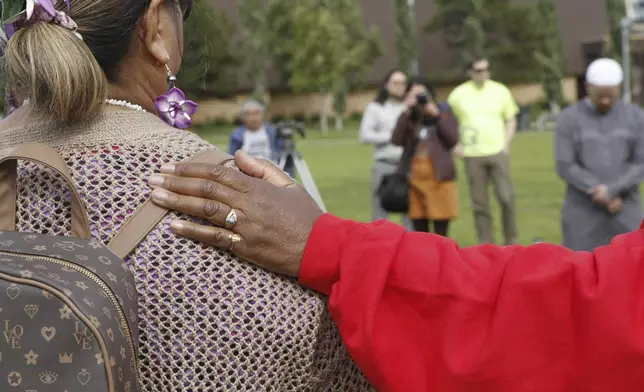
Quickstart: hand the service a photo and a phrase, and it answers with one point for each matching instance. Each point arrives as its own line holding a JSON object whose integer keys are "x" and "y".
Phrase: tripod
{"x": 301, "y": 168}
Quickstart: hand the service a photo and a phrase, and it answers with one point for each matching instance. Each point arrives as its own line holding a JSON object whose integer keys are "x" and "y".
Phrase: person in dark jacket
{"x": 256, "y": 137}
{"x": 428, "y": 132}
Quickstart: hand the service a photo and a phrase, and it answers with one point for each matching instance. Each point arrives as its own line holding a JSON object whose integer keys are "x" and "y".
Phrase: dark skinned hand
{"x": 275, "y": 214}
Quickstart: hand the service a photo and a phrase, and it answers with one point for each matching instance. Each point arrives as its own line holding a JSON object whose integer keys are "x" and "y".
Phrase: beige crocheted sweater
{"x": 208, "y": 322}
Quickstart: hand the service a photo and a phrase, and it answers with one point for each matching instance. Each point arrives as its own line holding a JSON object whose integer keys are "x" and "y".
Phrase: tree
{"x": 616, "y": 10}
{"x": 406, "y": 44}
{"x": 549, "y": 56}
{"x": 254, "y": 21}
{"x": 330, "y": 49}
{"x": 362, "y": 43}
{"x": 209, "y": 61}
{"x": 340, "y": 93}
{"x": 316, "y": 51}
{"x": 513, "y": 36}
{"x": 280, "y": 30}
{"x": 499, "y": 30}
{"x": 462, "y": 25}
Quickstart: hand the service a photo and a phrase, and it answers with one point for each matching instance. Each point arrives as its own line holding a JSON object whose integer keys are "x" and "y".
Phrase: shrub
{"x": 355, "y": 116}
{"x": 314, "y": 119}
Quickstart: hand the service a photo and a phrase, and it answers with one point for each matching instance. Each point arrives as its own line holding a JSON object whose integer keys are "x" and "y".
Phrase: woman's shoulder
{"x": 444, "y": 106}
{"x": 374, "y": 110}
{"x": 374, "y": 107}
{"x": 154, "y": 133}
{"x": 140, "y": 131}
{"x": 14, "y": 120}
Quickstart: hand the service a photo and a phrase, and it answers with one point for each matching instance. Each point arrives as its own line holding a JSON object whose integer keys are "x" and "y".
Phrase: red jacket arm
{"x": 418, "y": 313}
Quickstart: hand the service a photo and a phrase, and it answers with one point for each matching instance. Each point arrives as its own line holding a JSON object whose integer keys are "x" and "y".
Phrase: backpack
{"x": 68, "y": 305}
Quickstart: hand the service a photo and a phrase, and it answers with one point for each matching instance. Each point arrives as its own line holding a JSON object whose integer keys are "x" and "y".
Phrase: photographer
{"x": 255, "y": 137}
{"x": 428, "y": 131}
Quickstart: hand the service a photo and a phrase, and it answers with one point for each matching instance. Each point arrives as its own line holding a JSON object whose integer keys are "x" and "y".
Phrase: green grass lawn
{"x": 341, "y": 167}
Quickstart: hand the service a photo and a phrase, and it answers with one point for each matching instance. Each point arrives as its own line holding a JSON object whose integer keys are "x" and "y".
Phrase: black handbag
{"x": 394, "y": 193}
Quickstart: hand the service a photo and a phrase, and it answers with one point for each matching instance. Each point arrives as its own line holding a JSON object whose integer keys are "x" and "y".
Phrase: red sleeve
{"x": 418, "y": 313}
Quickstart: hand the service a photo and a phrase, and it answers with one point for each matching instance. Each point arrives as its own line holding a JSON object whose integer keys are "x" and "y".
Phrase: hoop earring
{"x": 173, "y": 107}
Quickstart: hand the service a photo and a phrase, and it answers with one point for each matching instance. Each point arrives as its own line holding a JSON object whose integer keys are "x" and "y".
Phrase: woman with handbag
{"x": 428, "y": 131}
{"x": 376, "y": 128}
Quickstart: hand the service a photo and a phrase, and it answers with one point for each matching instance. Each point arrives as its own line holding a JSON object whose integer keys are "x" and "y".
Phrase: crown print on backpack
{"x": 66, "y": 358}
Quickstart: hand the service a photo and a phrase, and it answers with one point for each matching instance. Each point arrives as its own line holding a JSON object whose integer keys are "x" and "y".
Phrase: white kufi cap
{"x": 604, "y": 72}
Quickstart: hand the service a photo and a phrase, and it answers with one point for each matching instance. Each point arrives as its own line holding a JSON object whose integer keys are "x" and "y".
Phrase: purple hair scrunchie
{"x": 41, "y": 11}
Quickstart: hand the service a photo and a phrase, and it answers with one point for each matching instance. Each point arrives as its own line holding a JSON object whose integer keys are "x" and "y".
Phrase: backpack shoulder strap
{"x": 45, "y": 156}
{"x": 148, "y": 215}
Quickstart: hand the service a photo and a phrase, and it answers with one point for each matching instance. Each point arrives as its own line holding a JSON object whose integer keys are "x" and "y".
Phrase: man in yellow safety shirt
{"x": 486, "y": 112}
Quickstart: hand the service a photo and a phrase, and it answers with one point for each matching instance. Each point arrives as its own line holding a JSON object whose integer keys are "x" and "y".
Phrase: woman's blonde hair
{"x": 66, "y": 78}
{"x": 57, "y": 72}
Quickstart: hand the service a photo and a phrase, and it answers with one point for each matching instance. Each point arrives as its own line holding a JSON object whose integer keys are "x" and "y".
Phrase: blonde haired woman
{"x": 96, "y": 83}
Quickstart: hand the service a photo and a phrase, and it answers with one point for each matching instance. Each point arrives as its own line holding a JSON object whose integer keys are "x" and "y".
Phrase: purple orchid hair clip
{"x": 175, "y": 109}
{"x": 40, "y": 11}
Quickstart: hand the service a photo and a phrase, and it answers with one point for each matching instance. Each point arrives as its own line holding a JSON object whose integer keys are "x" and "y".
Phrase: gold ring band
{"x": 234, "y": 238}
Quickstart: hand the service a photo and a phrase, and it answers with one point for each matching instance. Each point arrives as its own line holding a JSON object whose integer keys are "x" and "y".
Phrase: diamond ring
{"x": 231, "y": 219}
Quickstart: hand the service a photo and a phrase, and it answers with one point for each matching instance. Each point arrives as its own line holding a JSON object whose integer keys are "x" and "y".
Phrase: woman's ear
{"x": 151, "y": 33}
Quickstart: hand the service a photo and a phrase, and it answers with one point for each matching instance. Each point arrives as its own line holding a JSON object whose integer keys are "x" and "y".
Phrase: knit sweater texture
{"x": 208, "y": 320}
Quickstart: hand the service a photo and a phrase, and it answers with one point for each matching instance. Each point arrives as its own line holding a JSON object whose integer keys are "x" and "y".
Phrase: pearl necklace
{"x": 125, "y": 104}
{"x": 113, "y": 102}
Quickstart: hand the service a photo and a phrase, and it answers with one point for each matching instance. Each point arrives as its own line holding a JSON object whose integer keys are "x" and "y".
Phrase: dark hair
{"x": 65, "y": 78}
{"x": 383, "y": 94}
{"x": 416, "y": 114}
{"x": 423, "y": 81}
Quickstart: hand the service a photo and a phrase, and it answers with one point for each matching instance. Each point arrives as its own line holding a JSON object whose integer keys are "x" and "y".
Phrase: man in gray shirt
{"x": 599, "y": 150}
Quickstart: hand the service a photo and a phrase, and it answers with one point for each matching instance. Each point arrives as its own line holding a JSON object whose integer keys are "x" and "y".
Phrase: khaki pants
{"x": 496, "y": 168}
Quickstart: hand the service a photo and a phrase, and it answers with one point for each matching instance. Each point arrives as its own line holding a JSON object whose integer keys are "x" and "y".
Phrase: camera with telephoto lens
{"x": 286, "y": 129}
